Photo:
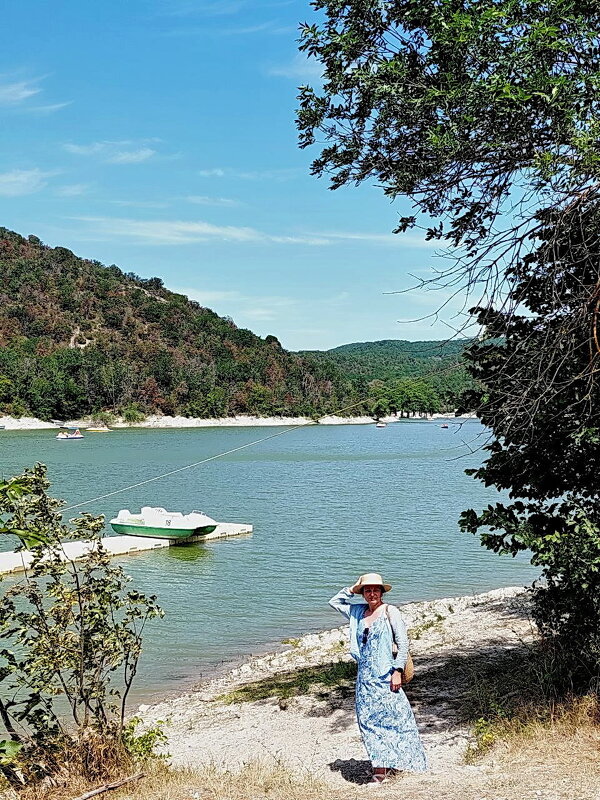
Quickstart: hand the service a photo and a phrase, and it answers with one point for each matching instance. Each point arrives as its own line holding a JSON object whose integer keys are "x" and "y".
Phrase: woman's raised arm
{"x": 344, "y": 599}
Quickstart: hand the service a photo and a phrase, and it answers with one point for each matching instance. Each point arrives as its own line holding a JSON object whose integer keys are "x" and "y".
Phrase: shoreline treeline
{"x": 78, "y": 338}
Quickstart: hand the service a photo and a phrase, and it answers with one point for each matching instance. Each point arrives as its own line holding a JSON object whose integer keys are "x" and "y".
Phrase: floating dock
{"x": 122, "y": 546}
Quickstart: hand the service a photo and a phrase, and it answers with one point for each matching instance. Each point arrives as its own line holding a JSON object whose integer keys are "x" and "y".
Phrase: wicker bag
{"x": 408, "y": 673}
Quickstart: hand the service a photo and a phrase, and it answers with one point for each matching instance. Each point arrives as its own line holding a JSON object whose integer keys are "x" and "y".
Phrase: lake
{"x": 327, "y": 503}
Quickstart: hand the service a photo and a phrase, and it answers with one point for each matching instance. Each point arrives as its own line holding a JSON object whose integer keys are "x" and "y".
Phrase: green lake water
{"x": 327, "y": 503}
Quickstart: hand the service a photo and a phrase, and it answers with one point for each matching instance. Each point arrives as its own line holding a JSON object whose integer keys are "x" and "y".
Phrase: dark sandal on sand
{"x": 376, "y": 780}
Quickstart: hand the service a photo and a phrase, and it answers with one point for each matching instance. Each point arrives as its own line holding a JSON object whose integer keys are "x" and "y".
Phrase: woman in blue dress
{"x": 385, "y": 718}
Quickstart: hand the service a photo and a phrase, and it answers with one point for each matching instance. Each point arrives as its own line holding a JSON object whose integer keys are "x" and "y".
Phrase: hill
{"x": 79, "y": 338}
{"x": 433, "y": 369}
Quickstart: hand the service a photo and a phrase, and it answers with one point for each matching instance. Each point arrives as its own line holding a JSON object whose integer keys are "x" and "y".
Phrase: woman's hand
{"x": 396, "y": 680}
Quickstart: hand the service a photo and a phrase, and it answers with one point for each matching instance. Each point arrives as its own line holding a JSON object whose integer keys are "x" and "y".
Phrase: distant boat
{"x": 2, "y": 427}
{"x": 98, "y": 429}
{"x": 381, "y": 424}
{"x": 445, "y": 425}
{"x": 162, "y": 524}
{"x": 69, "y": 433}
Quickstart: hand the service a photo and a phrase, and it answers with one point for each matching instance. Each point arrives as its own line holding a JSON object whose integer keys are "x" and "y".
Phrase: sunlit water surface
{"x": 327, "y": 503}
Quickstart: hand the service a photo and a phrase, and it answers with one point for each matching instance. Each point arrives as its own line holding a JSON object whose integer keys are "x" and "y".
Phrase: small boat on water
{"x": 381, "y": 424}
{"x": 98, "y": 429}
{"x": 444, "y": 425}
{"x": 69, "y": 433}
{"x": 162, "y": 524}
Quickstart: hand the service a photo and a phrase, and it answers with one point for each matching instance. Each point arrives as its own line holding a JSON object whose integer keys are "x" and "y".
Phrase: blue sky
{"x": 159, "y": 135}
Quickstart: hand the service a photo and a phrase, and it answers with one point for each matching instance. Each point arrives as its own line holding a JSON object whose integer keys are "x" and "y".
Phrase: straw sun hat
{"x": 370, "y": 579}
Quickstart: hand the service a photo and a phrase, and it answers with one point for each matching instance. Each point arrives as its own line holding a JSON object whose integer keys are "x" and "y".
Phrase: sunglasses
{"x": 365, "y": 636}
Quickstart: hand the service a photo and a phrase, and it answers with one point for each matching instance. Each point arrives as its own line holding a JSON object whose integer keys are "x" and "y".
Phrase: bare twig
{"x": 110, "y": 786}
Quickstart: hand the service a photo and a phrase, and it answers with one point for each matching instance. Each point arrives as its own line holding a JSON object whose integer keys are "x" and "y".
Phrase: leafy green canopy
{"x": 77, "y": 338}
{"x": 416, "y": 376}
{"x": 453, "y": 102}
{"x": 70, "y": 642}
{"x": 547, "y": 446}
{"x": 486, "y": 114}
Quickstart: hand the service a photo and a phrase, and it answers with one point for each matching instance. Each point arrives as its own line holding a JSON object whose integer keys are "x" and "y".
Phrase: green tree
{"x": 80, "y": 338}
{"x": 70, "y": 640}
{"x": 486, "y": 115}
{"x": 455, "y": 104}
{"x": 547, "y": 446}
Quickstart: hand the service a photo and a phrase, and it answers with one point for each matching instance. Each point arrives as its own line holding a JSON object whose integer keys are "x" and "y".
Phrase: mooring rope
{"x": 210, "y": 458}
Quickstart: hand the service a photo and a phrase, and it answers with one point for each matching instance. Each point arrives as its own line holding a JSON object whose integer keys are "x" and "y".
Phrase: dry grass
{"x": 515, "y": 698}
{"x": 558, "y": 759}
{"x": 533, "y": 742}
{"x": 577, "y": 718}
{"x": 254, "y": 782}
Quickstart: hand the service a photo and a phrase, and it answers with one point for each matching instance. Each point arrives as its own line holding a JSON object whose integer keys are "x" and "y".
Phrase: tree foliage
{"x": 485, "y": 113}
{"x": 77, "y": 338}
{"x": 70, "y": 641}
{"x": 409, "y": 370}
{"x": 546, "y": 421}
{"x": 454, "y": 102}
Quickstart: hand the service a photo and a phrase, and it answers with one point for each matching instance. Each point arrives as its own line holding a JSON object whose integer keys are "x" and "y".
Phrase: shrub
{"x": 132, "y": 413}
{"x": 70, "y": 639}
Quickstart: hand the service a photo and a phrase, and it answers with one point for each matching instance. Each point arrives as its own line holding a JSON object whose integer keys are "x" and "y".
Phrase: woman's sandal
{"x": 377, "y": 780}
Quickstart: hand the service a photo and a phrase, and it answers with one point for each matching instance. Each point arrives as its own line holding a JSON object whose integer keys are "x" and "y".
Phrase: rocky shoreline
{"x": 315, "y": 730}
{"x": 160, "y": 421}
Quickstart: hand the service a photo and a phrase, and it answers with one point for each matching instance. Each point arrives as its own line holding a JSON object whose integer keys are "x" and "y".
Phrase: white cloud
{"x": 85, "y": 149}
{"x": 123, "y": 152}
{"x": 282, "y": 174}
{"x": 132, "y": 156}
{"x": 15, "y": 92}
{"x": 212, "y": 173}
{"x": 139, "y": 204}
{"x": 262, "y": 308}
{"x": 300, "y": 67}
{"x": 72, "y": 190}
{"x": 272, "y": 27}
{"x": 47, "y": 109}
{"x": 380, "y": 238}
{"x": 204, "y": 200}
{"x": 173, "y": 232}
{"x": 170, "y": 232}
{"x": 262, "y": 314}
{"x": 20, "y": 182}
{"x": 207, "y": 297}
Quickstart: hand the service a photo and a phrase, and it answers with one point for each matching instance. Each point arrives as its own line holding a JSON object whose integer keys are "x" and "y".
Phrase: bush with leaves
{"x": 70, "y": 639}
{"x": 485, "y": 115}
{"x": 542, "y": 401}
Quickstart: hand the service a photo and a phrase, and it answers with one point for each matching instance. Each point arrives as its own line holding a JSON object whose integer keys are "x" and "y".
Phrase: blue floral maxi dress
{"x": 385, "y": 718}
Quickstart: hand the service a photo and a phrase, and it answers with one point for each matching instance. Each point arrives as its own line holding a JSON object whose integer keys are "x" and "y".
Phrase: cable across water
{"x": 210, "y": 458}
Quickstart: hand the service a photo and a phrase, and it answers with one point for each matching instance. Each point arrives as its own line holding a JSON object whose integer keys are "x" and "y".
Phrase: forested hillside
{"x": 402, "y": 375}
{"x": 78, "y": 338}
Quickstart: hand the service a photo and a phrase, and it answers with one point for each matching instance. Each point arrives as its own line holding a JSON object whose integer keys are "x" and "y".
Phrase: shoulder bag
{"x": 408, "y": 673}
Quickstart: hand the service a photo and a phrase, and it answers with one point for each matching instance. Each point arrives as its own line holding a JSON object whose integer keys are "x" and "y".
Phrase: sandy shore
{"x": 158, "y": 421}
{"x": 24, "y": 423}
{"x": 317, "y": 731}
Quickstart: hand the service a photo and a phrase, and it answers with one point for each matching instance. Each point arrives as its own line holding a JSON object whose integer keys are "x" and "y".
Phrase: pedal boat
{"x": 161, "y": 524}
{"x": 69, "y": 433}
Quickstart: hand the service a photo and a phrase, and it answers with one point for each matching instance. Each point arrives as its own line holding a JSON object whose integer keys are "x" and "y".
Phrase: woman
{"x": 385, "y": 718}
